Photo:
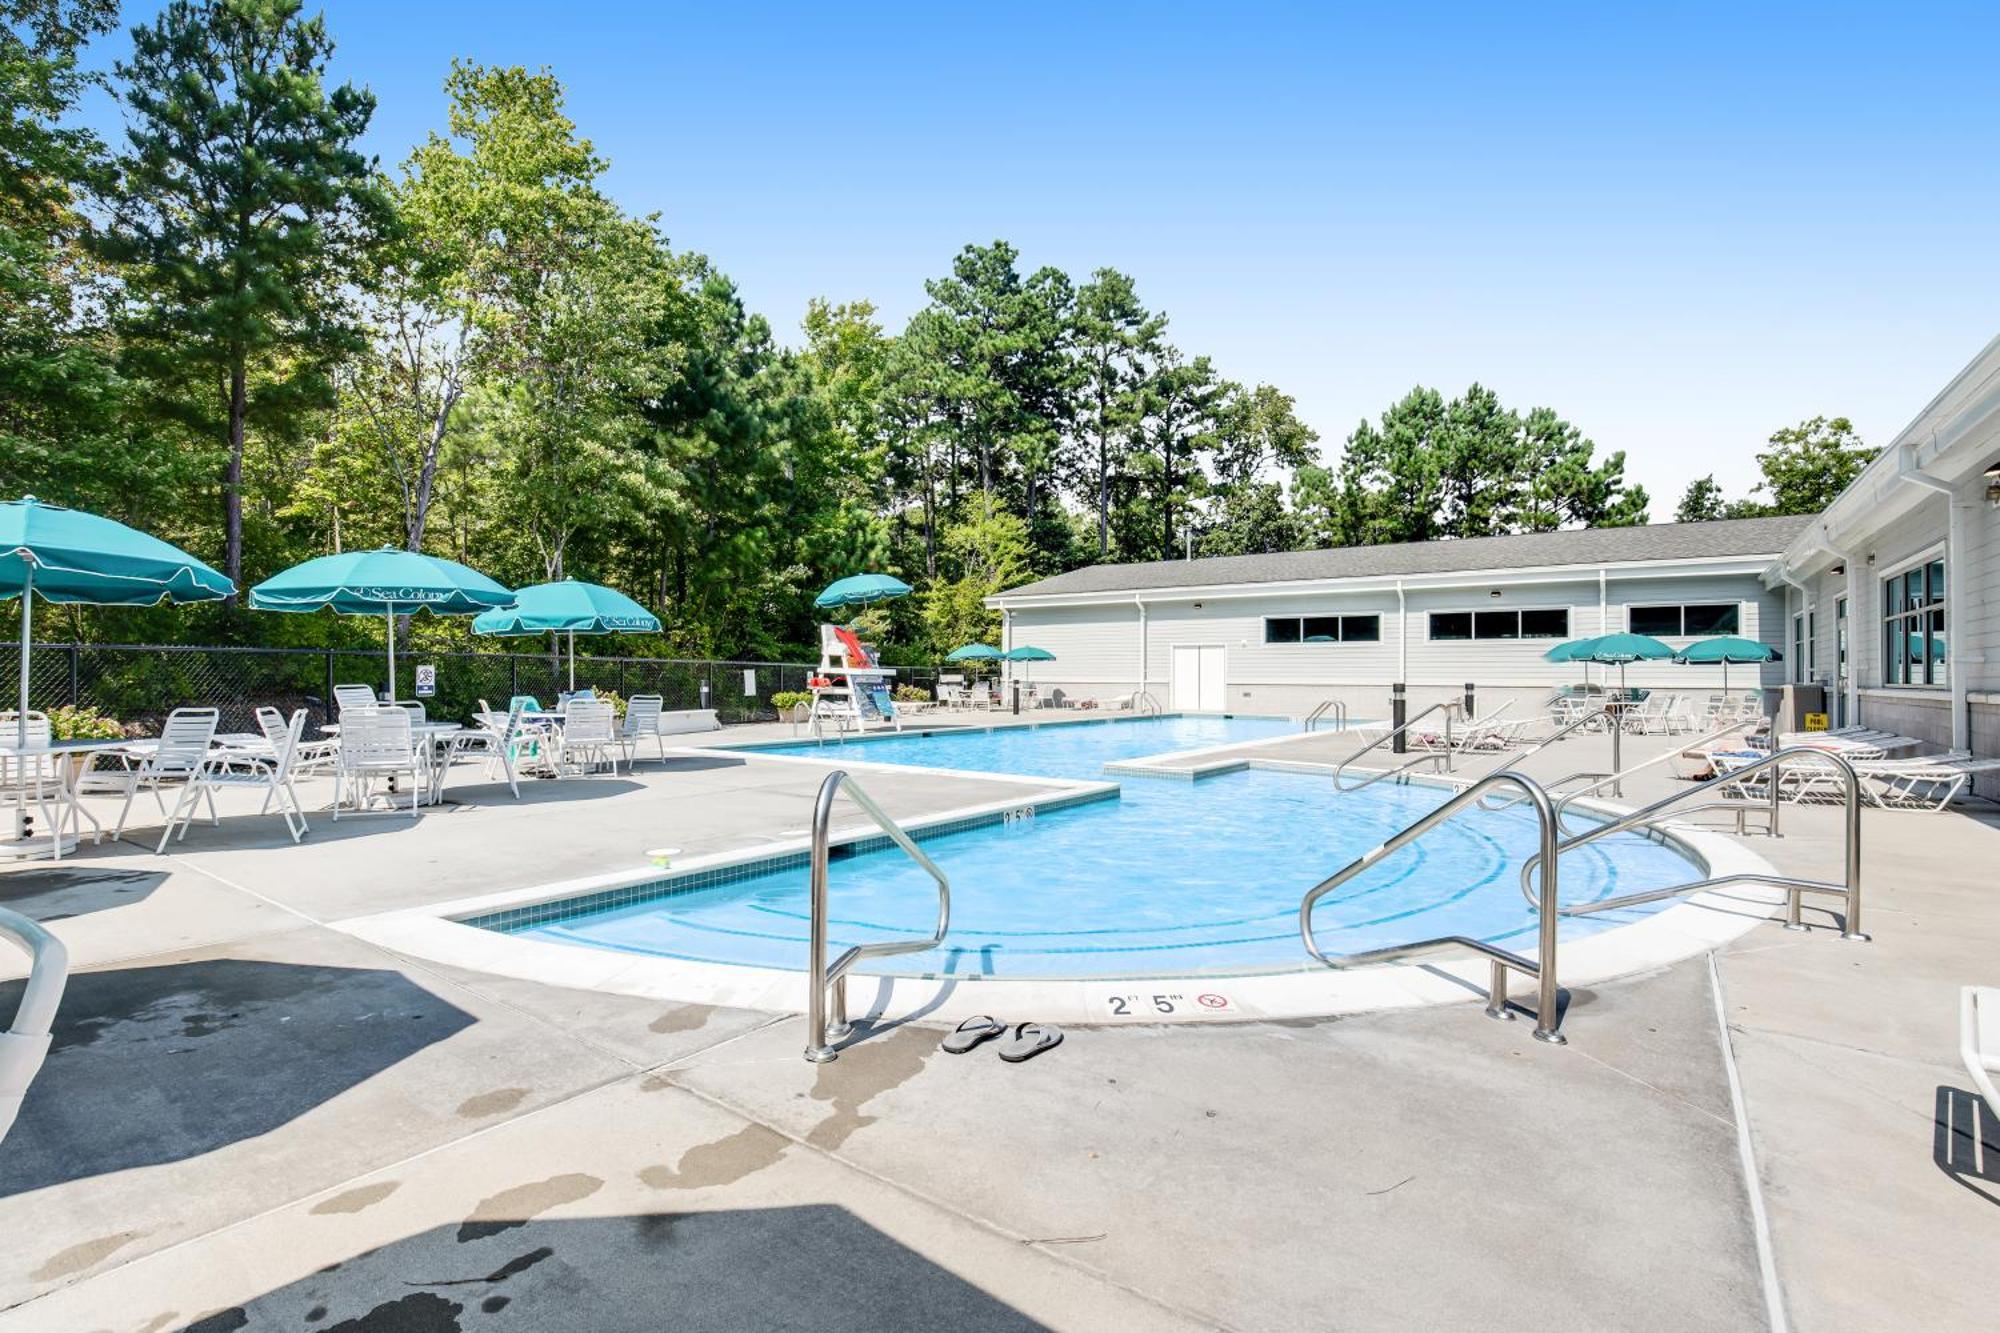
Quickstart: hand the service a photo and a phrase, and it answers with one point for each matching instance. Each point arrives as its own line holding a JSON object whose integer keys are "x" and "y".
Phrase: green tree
{"x": 59, "y": 393}
{"x": 1113, "y": 336}
{"x": 1701, "y": 502}
{"x": 986, "y": 553}
{"x": 1563, "y": 484}
{"x": 1176, "y": 432}
{"x": 241, "y": 209}
{"x": 1809, "y": 464}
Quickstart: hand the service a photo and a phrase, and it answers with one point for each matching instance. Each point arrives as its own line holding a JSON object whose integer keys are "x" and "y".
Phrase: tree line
{"x": 238, "y": 330}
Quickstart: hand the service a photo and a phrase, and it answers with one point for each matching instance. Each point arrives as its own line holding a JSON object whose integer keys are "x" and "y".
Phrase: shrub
{"x": 786, "y": 700}
{"x": 83, "y": 724}
{"x": 912, "y": 694}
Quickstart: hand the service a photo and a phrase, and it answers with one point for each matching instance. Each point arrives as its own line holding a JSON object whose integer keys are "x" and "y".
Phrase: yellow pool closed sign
{"x": 1815, "y": 721}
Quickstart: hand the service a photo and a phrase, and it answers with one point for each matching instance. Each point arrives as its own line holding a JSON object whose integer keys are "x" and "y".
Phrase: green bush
{"x": 786, "y": 700}
{"x": 912, "y": 694}
{"x": 83, "y": 724}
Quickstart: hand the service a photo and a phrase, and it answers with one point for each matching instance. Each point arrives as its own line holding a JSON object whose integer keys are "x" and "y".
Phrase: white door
{"x": 1199, "y": 674}
{"x": 1213, "y": 696}
{"x": 1187, "y": 679}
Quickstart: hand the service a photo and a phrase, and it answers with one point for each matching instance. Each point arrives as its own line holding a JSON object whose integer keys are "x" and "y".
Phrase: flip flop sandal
{"x": 1030, "y": 1040}
{"x": 971, "y": 1032}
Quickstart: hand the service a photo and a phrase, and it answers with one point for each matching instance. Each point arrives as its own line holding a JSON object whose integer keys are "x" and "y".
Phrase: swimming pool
{"x": 1173, "y": 878}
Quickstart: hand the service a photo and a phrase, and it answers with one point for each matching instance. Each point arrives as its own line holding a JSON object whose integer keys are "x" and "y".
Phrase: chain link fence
{"x": 139, "y": 684}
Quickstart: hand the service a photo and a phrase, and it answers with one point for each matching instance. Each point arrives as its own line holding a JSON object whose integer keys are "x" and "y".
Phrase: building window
{"x": 1460, "y": 625}
{"x": 1694, "y": 620}
{"x": 1799, "y": 648}
{"x": 1322, "y": 629}
{"x": 1914, "y": 650}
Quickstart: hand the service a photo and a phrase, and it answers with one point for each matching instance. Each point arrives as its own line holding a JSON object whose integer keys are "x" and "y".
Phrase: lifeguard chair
{"x": 850, "y": 686}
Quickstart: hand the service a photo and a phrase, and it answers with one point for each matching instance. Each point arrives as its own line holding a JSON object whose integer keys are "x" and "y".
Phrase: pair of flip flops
{"x": 1030, "y": 1039}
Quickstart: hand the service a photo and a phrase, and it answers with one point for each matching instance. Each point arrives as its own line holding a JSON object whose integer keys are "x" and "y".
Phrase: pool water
{"x": 1173, "y": 878}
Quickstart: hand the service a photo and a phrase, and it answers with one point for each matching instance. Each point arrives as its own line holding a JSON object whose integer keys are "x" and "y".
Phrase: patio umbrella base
{"x": 41, "y": 844}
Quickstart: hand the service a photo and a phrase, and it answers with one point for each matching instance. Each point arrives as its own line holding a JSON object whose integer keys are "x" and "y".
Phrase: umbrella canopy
{"x": 568, "y": 607}
{"x": 856, "y": 589}
{"x": 1576, "y": 650}
{"x": 1618, "y": 649}
{"x": 74, "y": 556}
{"x": 1727, "y": 650}
{"x": 973, "y": 652}
{"x": 68, "y": 555}
{"x": 387, "y": 582}
{"x": 1027, "y": 653}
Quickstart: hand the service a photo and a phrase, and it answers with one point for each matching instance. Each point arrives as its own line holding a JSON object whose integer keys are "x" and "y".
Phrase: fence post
{"x": 75, "y": 678}
{"x": 513, "y": 676}
{"x": 326, "y": 700}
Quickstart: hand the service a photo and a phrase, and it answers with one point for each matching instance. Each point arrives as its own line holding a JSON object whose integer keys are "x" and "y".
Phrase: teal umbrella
{"x": 568, "y": 607}
{"x": 856, "y": 589}
{"x": 1576, "y": 650}
{"x": 1028, "y": 653}
{"x": 973, "y": 652}
{"x": 1727, "y": 650}
{"x": 67, "y": 555}
{"x": 1619, "y": 649}
{"x": 387, "y": 582}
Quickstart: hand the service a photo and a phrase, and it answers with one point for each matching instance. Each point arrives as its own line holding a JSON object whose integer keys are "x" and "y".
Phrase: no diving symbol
{"x": 1212, "y": 1001}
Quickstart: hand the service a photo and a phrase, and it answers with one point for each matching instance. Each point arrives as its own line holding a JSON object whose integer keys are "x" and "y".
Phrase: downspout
{"x": 1402, "y": 635}
{"x": 1140, "y": 602}
{"x": 1603, "y": 622}
{"x": 1957, "y": 590}
{"x": 1006, "y": 646}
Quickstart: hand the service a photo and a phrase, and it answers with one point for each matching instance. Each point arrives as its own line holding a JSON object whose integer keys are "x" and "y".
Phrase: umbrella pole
{"x": 389, "y": 624}
{"x": 21, "y": 717}
{"x": 572, "y": 661}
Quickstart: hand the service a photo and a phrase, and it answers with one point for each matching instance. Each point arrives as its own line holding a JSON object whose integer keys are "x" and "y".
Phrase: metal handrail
{"x": 1548, "y": 1015}
{"x": 1449, "y": 707}
{"x": 827, "y": 997}
{"x": 1606, "y": 779}
{"x": 1849, "y": 890}
{"x": 25, "y": 1044}
{"x": 1140, "y": 702}
{"x": 1338, "y": 707}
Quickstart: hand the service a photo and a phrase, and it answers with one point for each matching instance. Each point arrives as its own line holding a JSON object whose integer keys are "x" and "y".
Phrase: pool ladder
{"x": 1542, "y": 968}
{"x": 1337, "y": 707}
{"x": 1442, "y": 758}
{"x": 826, "y": 996}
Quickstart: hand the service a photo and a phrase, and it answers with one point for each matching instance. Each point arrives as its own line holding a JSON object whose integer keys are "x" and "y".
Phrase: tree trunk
{"x": 232, "y": 475}
{"x": 1103, "y": 476}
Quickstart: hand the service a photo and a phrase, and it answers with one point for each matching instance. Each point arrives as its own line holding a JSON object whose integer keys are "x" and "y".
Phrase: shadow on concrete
{"x": 50, "y": 893}
{"x": 534, "y": 791}
{"x": 690, "y": 764}
{"x": 1965, "y": 1142}
{"x": 813, "y": 1267}
{"x": 160, "y": 1064}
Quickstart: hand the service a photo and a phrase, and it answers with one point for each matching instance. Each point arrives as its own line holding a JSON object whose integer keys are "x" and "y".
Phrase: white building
{"x": 1281, "y": 633}
{"x": 1888, "y": 600}
{"x": 1891, "y": 593}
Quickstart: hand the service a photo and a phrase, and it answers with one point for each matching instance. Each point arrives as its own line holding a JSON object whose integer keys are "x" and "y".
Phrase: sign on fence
{"x": 750, "y": 683}
{"x": 427, "y": 681}
{"x": 1815, "y": 721}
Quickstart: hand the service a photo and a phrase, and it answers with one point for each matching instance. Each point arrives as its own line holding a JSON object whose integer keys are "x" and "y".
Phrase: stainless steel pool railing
{"x": 826, "y": 1000}
{"x": 1548, "y": 1014}
{"x": 1602, "y": 780}
{"x": 1145, "y": 705}
{"x": 1849, "y": 890}
{"x": 1337, "y": 707}
{"x": 25, "y": 1044}
{"x": 1442, "y": 758}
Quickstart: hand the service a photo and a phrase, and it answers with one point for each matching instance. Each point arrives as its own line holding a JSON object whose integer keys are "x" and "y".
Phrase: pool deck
{"x": 253, "y": 1119}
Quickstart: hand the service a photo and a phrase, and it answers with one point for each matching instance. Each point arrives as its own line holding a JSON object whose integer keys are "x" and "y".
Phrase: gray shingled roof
{"x": 1579, "y": 546}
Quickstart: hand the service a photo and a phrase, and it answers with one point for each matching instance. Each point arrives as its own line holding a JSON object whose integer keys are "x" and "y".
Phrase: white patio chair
{"x": 497, "y": 740}
{"x": 267, "y": 771}
{"x": 375, "y": 743}
{"x": 642, "y": 722}
{"x": 175, "y": 758}
{"x": 354, "y": 696}
{"x": 36, "y": 777}
{"x": 589, "y": 736}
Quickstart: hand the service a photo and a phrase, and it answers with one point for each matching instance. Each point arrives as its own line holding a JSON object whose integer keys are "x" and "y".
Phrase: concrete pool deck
{"x": 252, "y": 1120}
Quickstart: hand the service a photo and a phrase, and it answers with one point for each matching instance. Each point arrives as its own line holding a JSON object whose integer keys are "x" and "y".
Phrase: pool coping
{"x": 442, "y": 932}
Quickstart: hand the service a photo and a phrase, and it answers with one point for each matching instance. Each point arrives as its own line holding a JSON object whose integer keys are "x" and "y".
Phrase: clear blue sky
{"x": 1681, "y": 226}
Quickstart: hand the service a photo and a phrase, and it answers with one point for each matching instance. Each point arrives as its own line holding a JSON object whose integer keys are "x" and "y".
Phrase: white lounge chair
{"x": 354, "y": 696}
{"x": 269, "y": 771}
{"x": 1979, "y": 1039}
{"x": 375, "y": 743}
{"x": 175, "y": 758}
{"x": 1927, "y": 782}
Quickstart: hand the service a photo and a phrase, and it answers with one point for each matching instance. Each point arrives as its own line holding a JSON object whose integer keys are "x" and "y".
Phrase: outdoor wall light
{"x": 1839, "y": 570}
{"x": 1495, "y": 594}
{"x": 1993, "y": 486}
